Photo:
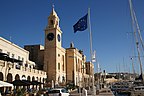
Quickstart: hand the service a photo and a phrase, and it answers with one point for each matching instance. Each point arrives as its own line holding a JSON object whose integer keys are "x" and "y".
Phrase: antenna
{"x": 10, "y": 38}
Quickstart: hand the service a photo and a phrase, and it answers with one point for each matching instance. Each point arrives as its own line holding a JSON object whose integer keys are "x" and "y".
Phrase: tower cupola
{"x": 53, "y": 19}
{"x": 53, "y": 13}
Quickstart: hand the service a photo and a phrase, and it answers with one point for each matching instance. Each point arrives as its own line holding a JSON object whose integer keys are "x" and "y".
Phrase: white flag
{"x": 98, "y": 67}
{"x": 94, "y": 56}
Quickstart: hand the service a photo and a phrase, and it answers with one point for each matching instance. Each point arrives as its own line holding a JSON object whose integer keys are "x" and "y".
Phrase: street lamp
{"x": 79, "y": 80}
{"x": 93, "y": 81}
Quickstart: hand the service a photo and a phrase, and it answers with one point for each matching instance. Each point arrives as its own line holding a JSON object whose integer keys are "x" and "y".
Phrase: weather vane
{"x": 53, "y": 5}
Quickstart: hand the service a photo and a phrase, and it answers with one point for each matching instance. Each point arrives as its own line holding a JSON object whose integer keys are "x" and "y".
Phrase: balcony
{"x": 14, "y": 64}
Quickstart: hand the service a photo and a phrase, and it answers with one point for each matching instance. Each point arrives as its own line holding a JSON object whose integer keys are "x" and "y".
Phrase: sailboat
{"x": 138, "y": 85}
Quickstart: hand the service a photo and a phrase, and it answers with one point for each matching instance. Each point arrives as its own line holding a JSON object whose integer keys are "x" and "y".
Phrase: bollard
{"x": 97, "y": 92}
{"x": 84, "y": 92}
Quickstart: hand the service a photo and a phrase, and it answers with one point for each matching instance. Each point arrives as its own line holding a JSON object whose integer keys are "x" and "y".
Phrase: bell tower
{"x": 52, "y": 46}
{"x": 53, "y": 20}
{"x": 52, "y": 31}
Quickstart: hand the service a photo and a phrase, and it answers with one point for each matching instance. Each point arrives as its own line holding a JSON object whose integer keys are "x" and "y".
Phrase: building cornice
{"x": 14, "y": 45}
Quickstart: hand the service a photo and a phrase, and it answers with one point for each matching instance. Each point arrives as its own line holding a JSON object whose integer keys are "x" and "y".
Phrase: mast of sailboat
{"x": 139, "y": 31}
{"x": 134, "y": 22}
{"x": 133, "y": 68}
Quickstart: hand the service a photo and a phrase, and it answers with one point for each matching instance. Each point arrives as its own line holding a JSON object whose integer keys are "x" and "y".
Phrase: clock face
{"x": 58, "y": 37}
{"x": 50, "y": 36}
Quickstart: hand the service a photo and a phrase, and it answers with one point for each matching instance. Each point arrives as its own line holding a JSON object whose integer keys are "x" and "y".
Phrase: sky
{"x": 23, "y": 22}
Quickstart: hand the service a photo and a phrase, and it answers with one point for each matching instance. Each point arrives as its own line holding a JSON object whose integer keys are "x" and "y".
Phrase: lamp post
{"x": 93, "y": 81}
{"x": 79, "y": 81}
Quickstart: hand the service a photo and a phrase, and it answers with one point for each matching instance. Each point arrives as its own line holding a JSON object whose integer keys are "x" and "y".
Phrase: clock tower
{"x": 53, "y": 53}
{"x": 52, "y": 31}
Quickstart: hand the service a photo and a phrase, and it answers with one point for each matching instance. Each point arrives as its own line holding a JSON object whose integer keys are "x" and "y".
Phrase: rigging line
{"x": 133, "y": 53}
{"x": 138, "y": 28}
{"x": 133, "y": 67}
{"x": 135, "y": 35}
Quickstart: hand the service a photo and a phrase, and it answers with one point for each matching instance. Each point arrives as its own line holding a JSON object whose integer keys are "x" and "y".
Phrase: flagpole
{"x": 91, "y": 57}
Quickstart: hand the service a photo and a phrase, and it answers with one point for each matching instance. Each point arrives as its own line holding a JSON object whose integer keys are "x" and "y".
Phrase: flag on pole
{"x": 81, "y": 25}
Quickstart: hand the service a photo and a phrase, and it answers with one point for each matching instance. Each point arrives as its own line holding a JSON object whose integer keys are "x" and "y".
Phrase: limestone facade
{"x": 10, "y": 71}
{"x": 50, "y": 61}
{"x": 62, "y": 65}
{"x": 36, "y": 54}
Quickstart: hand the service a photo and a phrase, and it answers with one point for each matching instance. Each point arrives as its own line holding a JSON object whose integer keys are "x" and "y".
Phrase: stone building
{"x": 36, "y": 55}
{"x": 76, "y": 67}
{"x": 62, "y": 65}
{"x": 90, "y": 71}
{"x": 15, "y": 64}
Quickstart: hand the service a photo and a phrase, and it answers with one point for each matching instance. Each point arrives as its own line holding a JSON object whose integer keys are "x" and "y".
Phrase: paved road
{"x": 102, "y": 92}
{"x": 75, "y": 93}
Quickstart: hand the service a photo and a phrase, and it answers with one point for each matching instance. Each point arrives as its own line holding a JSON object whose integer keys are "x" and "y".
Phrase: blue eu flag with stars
{"x": 81, "y": 25}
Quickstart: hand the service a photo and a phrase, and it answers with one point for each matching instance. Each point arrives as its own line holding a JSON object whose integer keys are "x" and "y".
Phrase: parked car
{"x": 58, "y": 92}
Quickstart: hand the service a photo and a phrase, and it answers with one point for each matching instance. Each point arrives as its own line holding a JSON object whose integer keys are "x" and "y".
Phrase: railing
{"x": 21, "y": 68}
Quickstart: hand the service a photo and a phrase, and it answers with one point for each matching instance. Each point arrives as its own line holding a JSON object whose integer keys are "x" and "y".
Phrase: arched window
{"x": 58, "y": 66}
{"x": 63, "y": 79}
{"x": 0, "y": 50}
{"x": 51, "y": 22}
{"x": 1, "y": 76}
{"x": 23, "y": 77}
{"x": 59, "y": 79}
{"x": 17, "y": 77}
